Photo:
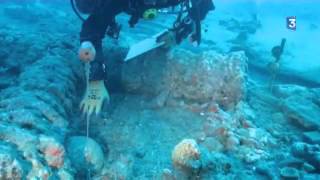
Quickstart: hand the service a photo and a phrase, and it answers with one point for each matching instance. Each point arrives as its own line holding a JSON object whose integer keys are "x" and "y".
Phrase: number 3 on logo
{"x": 292, "y": 23}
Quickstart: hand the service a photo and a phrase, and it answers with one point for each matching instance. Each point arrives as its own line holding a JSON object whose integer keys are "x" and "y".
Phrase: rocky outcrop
{"x": 192, "y": 77}
{"x": 35, "y": 109}
{"x": 299, "y": 105}
{"x": 302, "y": 112}
{"x": 308, "y": 153}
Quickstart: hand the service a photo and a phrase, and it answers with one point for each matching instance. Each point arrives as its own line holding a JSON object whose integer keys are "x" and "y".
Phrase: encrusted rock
{"x": 310, "y": 153}
{"x": 53, "y": 151}
{"x": 186, "y": 156}
{"x": 312, "y": 137}
{"x": 311, "y": 176}
{"x": 308, "y": 167}
{"x": 291, "y": 162}
{"x": 221, "y": 163}
{"x": 120, "y": 169}
{"x": 10, "y": 168}
{"x": 302, "y": 112}
{"x": 65, "y": 175}
{"x": 85, "y": 154}
{"x": 35, "y": 109}
{"x": 167, "y": 175}
{"x": 266, "y": 170}
{"x": 212, "y": 144}
{"x": 213, "y": 76}
{"x": 288, "y": 173}
{"x": 231, "y": 143}
{"x": 250, "y": 155}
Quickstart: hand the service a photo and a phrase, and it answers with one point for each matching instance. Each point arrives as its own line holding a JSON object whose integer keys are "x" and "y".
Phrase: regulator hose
{"x": 75, "y": 10}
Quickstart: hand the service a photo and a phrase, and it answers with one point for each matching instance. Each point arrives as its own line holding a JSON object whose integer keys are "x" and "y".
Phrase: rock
{"x": 208, "y": 129}
{"x": 39, "y": 97}
{"x": 186, "y": 156}
{"x": 308, "y": 167}
{"x": 85, "y": 154}
{"x": 310, "y": 153}
{"x": 247, "y": 114}
{"x": 34, "y": 120}
{"x": 53, "y": 151}
{"x": 299, "y": 149}
{"x": 10, "y": 168}
{"x": 241, "y": 175}
{"x": 221, "y": 163}
{"x": 252, "y": 157}
{"x": 266, "y": 170}
{"x": 291, "y": 162}
{"x": 289, "y": 173}
{"x": 255, "y": 137}
{"x": 160, "y": 100}
{"x": 167, "y": 175}
{"x": 261, "y": 97}
{"x": 231, "y": 143}
{"x": 316, "y": 161}
{"x": 208, "y": 163}
{"x": 212, "y": 144}
{"x": 120, "y": 169}
{"x": 200, "y": 137}
{"x": 302, "y": 112}
{"x": 279, "y": 117}
{"x": 286, "y": 91}
{"x": 65, "y": 175}
{"x": 311, "y": 176}
{"x": 312, "y": 137}
{"x": 213, "y": 77}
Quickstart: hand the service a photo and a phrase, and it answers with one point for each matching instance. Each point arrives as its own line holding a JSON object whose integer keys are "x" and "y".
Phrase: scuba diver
{"x": 274, "y": 66}
{"x": 101, "y": 21}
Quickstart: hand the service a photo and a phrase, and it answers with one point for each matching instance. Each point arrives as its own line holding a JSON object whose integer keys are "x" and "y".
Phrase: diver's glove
{"x": 96, "y": 95}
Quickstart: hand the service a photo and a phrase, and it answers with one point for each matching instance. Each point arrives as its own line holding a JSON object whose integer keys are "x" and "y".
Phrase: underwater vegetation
{"x": 210, "y": 112}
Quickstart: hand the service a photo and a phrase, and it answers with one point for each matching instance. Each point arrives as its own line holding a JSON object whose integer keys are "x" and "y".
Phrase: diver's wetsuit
{"x": 94, "y": 28}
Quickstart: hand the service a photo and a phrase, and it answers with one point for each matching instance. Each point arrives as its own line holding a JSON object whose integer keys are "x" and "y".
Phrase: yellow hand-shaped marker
{"x": 96, "y": 94}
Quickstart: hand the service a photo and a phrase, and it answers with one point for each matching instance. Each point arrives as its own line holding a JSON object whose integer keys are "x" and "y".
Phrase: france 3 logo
{"x": 292, "y": 23}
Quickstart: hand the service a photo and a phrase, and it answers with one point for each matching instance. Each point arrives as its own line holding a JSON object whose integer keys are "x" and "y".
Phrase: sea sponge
{"x": 186, "y": 155}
